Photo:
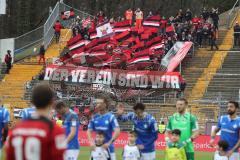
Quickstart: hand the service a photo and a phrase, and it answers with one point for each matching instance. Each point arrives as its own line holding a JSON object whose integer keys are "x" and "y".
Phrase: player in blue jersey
{"x": 145, "y": 126}
{"x": 71, "y": 125}
{"x": 27, "y": 113}
{"x": 230, "y": 130}
{"x": 4, "y": 120}
{"x": 105, "y": 122}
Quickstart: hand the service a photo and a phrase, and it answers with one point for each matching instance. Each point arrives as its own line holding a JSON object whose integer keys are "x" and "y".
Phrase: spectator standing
{"x": 105, "y": 122}
{"x": 188, "y": 15}
{"x": 42, "y": 54}
{"x": 100, "y": 17}
{"x": 139, "y": 18}
{"x": 72, "y": 13}
{"x": 230, "y": 130}
{"x": 199, "y": 34}
{"x": 71, "y": 125}
{"x": 236, "y": 34}
{"x": 150, "y": 14}
{"x": 205, "y": 14}
{"x": 57, "y": 27}
{"x": 213, "y": 36}
{"x": 180, "y": 15}
{"x": 186, "y": 123}
{"x": 215, "y": 17}
{"x": 163, "y": 25}
{"x": 8, "y": 60}
{"x": 129, "y": 15}
{"x": 145, "y": 127}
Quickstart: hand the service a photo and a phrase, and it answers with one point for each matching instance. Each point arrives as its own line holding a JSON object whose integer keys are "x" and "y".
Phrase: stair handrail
{"x": 231, "y": 12}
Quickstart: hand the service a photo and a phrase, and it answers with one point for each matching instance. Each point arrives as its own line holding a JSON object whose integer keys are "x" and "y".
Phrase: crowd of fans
{"x": 202, "y": 29}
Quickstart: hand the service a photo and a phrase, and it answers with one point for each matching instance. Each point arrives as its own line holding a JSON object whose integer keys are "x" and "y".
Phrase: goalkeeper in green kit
{"x": 186, "y": 123}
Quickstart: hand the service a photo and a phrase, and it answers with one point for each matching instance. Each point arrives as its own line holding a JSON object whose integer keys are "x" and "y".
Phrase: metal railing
{"x": 233, "y": 13}
{"x": 48, "y": 26}
{"x": 25, "y": 44}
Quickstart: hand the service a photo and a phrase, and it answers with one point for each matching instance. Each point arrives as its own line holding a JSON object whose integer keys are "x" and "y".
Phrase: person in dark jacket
{"x": 188, "y": 15}
{"x": 236, "y": 34}
{"x": 8, "y": 61}
{"x": 41, "y": 54}
{"x": 213, "y": 38}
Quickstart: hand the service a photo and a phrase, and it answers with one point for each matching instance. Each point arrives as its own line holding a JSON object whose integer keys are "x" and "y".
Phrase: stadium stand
{"x": 195, "y": 68}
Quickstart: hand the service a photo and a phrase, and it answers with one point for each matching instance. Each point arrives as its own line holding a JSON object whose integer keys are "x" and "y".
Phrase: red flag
{"x": 86, "y": 22}
{"x": 170, "y": 29}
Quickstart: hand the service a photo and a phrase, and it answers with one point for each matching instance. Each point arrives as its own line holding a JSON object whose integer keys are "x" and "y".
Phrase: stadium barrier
{"x": 233, "y": 13}
{"x": 25, "y": 44}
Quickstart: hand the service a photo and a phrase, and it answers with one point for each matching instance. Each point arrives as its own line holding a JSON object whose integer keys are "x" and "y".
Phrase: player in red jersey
{"x": 37, "y": 138}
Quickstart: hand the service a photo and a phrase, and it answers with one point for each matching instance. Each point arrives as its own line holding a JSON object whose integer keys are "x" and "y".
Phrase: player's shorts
{"x": 190, "y": 155}
{"x": 148, "y": 156}
{"x": 113, "y": 156}
{"x": 235, "y": 156}
{"x": 71, "y": 154}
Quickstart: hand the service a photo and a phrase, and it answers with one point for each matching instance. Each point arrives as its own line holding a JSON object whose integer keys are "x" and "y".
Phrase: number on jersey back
{"x": 37, "y": 139}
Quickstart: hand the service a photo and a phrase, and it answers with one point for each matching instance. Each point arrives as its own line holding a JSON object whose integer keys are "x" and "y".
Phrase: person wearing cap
{"x": 230, "y": 130}
{"x": 236, "y": 29}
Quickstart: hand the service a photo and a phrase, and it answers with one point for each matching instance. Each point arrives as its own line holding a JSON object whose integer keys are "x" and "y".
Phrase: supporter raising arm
{"x": 145, "y": 127}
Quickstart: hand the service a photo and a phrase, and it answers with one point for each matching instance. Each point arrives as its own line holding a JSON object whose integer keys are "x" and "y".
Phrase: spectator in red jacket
{"x": 8, "y": 60}
{"x": 163, "y": 25}
{"x": 72, "y": 14}
{"x": 57, "y": 27}
{"x": 100, "y": 17}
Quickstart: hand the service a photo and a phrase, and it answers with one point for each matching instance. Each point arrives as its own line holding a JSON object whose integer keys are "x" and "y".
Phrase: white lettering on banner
{"x": 144, "y": 81}
{"x": 113, "y": 78}
{"x": 64, "y": 75}
{"x": 133, "y": 80}
{"x": 156, "y": 82}
{"x": 122, "y": 79}
{"x": 99, "y": 77}
{"x": 175, "y": 82}
{"x": 82, "y": 76}
{"x": 91, "y": 76}
{"x": 75, "y": 74}
{"x": 48, "y": 73}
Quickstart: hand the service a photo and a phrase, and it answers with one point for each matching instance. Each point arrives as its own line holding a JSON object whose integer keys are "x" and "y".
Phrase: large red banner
{"x": 200, "y": 144}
